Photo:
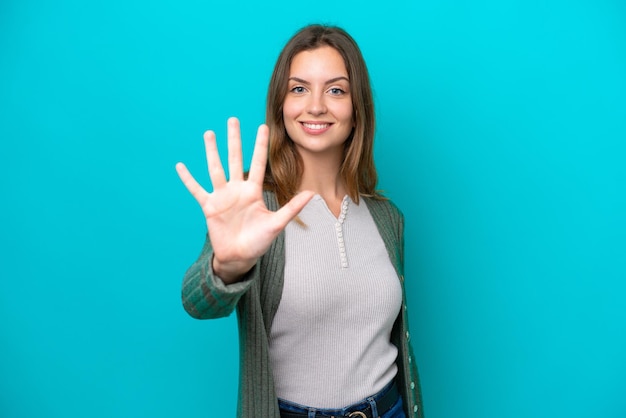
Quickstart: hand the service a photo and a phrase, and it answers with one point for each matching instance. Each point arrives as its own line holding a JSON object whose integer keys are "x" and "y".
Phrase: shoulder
{"x": 390, "y": 223}
{"x": 384, "y": 208}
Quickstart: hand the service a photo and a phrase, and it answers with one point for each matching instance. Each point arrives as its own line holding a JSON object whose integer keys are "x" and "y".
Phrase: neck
{"x": 321, "y": 176}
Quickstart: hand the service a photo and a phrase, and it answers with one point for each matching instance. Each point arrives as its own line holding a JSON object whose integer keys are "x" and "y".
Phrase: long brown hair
{"x": 285, "y": 166}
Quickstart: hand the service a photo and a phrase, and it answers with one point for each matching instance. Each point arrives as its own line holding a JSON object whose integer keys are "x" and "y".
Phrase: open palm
{"x": 240, "y": 226}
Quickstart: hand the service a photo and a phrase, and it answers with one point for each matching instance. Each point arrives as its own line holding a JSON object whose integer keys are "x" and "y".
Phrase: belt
{"x": 383, "y": 404}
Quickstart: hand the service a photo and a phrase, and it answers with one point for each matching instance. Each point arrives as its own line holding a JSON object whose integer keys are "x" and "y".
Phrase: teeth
{"x": 316, "y": 125}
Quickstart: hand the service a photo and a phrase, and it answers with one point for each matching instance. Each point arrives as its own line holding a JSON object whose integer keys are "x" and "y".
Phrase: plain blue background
{"x": 501, "y": 136}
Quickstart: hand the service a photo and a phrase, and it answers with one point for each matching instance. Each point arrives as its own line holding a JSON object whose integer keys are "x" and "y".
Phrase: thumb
{"x": 285, "y": 214}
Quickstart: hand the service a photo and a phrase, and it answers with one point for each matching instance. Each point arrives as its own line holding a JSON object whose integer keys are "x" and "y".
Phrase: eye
{"x": 336, "y": 91}
{"x": 297, "y": 90}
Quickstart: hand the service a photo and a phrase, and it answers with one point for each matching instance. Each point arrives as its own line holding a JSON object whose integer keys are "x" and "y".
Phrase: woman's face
{"x": 318, "y": 107}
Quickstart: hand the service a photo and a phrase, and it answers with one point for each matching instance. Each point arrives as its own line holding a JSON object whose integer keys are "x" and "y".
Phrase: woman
{"x": 306, "y": 250}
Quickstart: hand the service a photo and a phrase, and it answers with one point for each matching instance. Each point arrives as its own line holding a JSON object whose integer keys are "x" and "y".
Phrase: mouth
{"x": 315, "y": 127}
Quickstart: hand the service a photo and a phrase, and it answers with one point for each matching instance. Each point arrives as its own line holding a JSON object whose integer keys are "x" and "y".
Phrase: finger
{"x": 235, "y": 165}
{"x": 285, "y": 214}
{"x": 216, "y": 170}
{"x": 191, "y": 184}
{"x": 259, "y": 157}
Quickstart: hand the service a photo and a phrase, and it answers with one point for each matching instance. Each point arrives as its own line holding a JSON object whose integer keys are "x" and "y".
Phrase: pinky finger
{"x": 196, "y": 190}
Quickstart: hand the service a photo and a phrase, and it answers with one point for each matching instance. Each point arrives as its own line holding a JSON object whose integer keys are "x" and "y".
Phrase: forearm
{"x": 205, "y": 295}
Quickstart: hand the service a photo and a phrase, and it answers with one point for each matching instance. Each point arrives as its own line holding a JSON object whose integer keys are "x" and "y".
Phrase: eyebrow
{"x": 332, "y": 80}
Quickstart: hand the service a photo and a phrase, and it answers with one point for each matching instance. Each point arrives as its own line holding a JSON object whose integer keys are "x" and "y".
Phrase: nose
{"x": 316, "y": 105}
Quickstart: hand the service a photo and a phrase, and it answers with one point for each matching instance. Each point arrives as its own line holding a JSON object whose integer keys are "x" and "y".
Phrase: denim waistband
{"x": 372, "y": 406}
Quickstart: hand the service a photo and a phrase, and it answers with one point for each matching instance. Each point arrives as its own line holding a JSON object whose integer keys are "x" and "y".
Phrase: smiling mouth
{"x": 315, "y": 126}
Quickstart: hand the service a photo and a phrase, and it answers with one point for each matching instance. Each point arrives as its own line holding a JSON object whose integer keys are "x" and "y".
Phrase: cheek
{"x": 289, "y": 116}
{"x": 290, "y": 110}
{"x": 345, "y": 112}
{"x": 290, "y": 128}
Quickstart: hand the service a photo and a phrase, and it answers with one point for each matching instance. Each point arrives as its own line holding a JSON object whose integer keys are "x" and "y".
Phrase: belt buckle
{"x": 357, "y": 414}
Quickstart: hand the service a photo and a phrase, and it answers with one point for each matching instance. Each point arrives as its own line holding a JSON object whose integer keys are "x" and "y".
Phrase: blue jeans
{"x": 396, "y": 411}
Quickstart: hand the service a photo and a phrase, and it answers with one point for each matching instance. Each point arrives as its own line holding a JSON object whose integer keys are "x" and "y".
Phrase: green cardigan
{"x": 256, "y": 298}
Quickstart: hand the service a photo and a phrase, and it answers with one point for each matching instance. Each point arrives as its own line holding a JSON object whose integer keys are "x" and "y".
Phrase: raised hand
{"x": 240, "y": 226}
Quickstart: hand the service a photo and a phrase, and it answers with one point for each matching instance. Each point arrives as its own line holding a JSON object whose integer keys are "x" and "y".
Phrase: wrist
{"x": 231, "y": 271}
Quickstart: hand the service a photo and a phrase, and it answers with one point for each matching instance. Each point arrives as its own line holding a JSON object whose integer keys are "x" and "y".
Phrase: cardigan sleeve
{"x": 204, "y": 295}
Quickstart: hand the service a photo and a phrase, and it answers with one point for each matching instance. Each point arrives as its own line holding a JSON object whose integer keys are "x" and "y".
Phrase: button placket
{"x": 339, "y": 233}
